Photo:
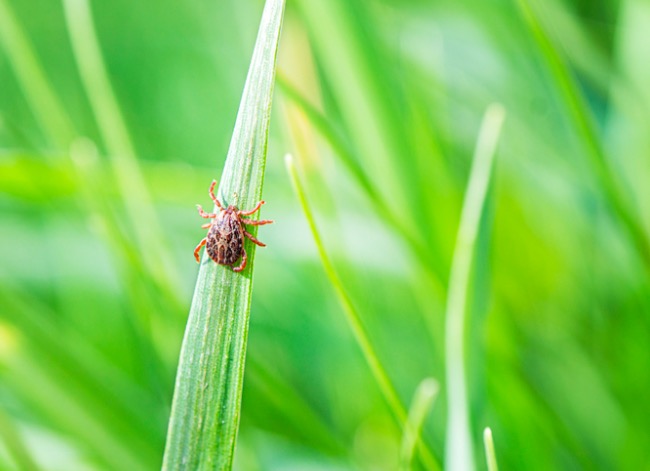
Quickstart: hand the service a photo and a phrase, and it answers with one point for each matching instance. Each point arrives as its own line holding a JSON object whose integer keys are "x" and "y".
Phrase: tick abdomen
{"x": 225, "y": 239}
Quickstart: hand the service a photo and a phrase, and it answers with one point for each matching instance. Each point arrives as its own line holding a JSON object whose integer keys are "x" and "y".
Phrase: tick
{"x": 226, "y": 231}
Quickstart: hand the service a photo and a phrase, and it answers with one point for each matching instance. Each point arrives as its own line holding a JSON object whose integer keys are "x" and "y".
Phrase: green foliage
{"x": 425, "y": 394}
{"x": 458, "y": 454}
{"x": 207, "y": 398}
{"x": 354, "y": 319}
{"x": 115, "y": 117}
{"x": 490, "y": 455}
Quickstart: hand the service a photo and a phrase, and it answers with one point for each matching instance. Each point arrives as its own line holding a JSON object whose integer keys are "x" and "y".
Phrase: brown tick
{"x": 225, "y": 240}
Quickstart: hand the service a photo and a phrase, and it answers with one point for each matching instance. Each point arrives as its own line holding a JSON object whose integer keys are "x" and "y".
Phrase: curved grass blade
{"x": 354, "y": 321}
{"x": 124, "y": 162}
{"x": 117, "y": 422}
{"x": 490, "y": 455}
{"x": 459, "y": 447}
{"x": 11, "y": 437}
{"x": 39, "y": 94}
{"x": 425, "y": 394}
{"x": 207, "y": 398}
{"x": 586, "y": 130}
{"x": 326, "y": 129}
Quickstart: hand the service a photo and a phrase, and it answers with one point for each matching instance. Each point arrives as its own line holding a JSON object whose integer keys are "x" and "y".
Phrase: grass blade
{"x": 16, "y": 446}
{"x": 586, "y": 130}
{"x": 459, "y": 444}
{"x": 128, "y": 175}
{"x": 352, "y": 316}
{"x": 425, "y": 394}
{"x": 354, "y": 320}
{"x": 96, "y": 406}
{"x": 490, "y": 455}
{"x": 346, "y": 156}
{"x": 43, "y": 101}
{"x": 205, "y": 411}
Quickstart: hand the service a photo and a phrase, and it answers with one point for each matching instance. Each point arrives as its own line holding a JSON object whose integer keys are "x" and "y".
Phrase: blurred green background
{"x": 380, "y": 101}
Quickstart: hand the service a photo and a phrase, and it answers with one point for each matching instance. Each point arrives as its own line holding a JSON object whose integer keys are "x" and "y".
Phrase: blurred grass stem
{"x": 43, "y": 101}
{"x": 352, "y": 316}
{"x": 459, "y": 449}
{"x": 324, "y": 126}
{"x": 14, "y": 443}
{"x": 425, "y": 395}
{"x": 490, "y": 455}
{"x": 128, "y": 175}
{"x": 586, "y": 129}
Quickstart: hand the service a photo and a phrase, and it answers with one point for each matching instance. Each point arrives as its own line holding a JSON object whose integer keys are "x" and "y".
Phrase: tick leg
{"x": 204, "y": 214}
{"x": 248, "y": 213}
{"x": 198, "y": 247}
{"x": 255, "y": 241}
{"x": 250, "y": 222}
{"x": 206, "y": 225}
{"x": 214, "y": 198}
{"x": 242, "y": 265}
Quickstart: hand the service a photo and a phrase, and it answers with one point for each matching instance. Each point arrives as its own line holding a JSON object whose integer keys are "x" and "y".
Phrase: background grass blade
{"x": 207, "y": 399}
{"x": 586, "y": 130}
{"x": 345, "y": 155}
{"x": 43, "y": 101}
{"x": 354, "y": 320}
{"x": 425, "y": 394}
{"x": 490, "y": 455}
{"x": 459, "y": 449}
{"x": 113, "y": 129}
{"x": 12, "y": 439}
{"x": 57, "y": 126}
{"x": 117, "y": 423}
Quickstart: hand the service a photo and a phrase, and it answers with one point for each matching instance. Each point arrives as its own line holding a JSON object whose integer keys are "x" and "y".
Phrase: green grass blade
{"x": 354, "y": 319}
{"x": 459, "y": 444}
{"x": 490, "y": 455}
{"x": 347, "y": 64}
{"x": 352, "y": 316}
{"x": 334, "y": 138}
{"x": 96, "y": 404}
{"x": 346, "y": 155}
{"x": 45, "y": 105}
{"x": 425, "y": 394}
{"x": 128, "y": 175}
{"x": 586, "y": 130}
{"x": 206, "y": 407}
{"x": 13, "y": 441}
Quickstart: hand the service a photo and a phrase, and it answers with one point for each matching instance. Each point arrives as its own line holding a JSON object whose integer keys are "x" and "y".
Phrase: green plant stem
{"x": 354, "y": 320}
{"x": 132, "y": 272}
{"x": 425, "y": 394}
{"x": 56, "y": 124}
{"x": 204, "y": 420}
{"x": 127, "y": 172}
{"x": 15, "y": 444}
{"x": 490, "y": 455}
{"x": 583, "y": 122}
{"x": 459, "y": 447}
{"x": 43, "y": 101}
{"x": 79, "y": 405}
{"x": 431, "y": 268}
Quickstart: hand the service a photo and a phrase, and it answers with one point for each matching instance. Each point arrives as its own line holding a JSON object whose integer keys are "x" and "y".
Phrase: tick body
{"x": 226, "y": 231}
